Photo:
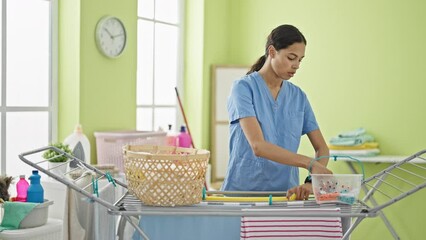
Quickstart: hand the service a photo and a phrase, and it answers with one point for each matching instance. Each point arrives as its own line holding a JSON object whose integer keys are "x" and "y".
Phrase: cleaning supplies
{"x": 21, "y": 189}
{"x": 79, "y": 144}
{"x": 184, "y": 140}
{"x": 171, "y": 137}
{"x": 35, "y": 191}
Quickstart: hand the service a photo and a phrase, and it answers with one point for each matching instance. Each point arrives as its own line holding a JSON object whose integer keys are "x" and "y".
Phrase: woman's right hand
{"x": 318, "y": 168}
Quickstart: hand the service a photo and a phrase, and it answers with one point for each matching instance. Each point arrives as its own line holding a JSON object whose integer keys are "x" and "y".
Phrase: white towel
{"x": 73, "y": 226}
{"x": 104, "y": 222}
{"x": 88, "y": 220}
{"x": 305, "y": 228}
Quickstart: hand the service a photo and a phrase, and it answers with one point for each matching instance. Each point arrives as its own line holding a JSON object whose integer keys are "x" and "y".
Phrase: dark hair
{"x": 280, "y": 38}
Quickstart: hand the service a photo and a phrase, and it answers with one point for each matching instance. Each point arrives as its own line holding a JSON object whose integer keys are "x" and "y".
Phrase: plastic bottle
{"x": 35, "y": 191}
{"x": 171, "y": 138}
{"x": 21, "y": 189}
{"x": 79, "y": 145}
{"x": 184, "y": 138}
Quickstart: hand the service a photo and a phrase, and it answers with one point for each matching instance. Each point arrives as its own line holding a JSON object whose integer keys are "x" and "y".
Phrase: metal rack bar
{"x": 391, "y": 179}
{"x": 61, "y": 178}
{"x": 129, "y": 206}
{"x": 374, "y": 203}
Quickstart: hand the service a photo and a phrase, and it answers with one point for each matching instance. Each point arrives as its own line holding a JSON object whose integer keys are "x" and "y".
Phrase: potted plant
{"x": 57, "y": 162}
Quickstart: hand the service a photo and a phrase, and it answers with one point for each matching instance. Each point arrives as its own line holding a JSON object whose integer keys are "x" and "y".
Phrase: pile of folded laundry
{"x": 355, "y": 142}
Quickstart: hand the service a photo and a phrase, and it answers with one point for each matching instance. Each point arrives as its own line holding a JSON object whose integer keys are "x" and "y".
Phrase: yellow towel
{"x": 366, "y": 145}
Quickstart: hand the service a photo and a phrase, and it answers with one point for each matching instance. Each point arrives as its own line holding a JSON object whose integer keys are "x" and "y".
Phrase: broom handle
{"x": 187, "y": 127}
{"x": 184, "y": 117}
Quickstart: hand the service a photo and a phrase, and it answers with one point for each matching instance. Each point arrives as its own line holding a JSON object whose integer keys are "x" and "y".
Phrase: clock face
{"x": 111, "y": 36}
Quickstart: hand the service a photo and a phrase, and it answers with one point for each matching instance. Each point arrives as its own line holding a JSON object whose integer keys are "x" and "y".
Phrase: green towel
{"x": 352, "y": 133}
{"x": 14, "y": 213}
{"x": 351, "y": 141}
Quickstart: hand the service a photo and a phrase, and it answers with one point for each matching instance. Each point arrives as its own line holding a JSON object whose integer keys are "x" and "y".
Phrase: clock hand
{"x": 117, "y": 35}
{"x": 110, "y": 35}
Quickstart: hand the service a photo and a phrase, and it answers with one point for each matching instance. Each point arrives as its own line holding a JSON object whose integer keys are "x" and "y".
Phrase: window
{"x": 159, "y": 68}
{"x": 27, "y": 98}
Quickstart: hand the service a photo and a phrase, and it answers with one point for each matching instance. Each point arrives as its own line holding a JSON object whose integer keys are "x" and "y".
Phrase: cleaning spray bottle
{"x": 79, "y": 145}
{"x": 184, "y": 140}
{"x": 171, "y": 137}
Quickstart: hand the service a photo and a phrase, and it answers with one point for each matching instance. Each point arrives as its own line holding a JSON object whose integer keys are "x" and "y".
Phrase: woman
{"x": 268, "y": 115}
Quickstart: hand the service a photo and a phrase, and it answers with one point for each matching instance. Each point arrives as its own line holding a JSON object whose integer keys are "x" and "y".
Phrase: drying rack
{"x": 384, "y": 188}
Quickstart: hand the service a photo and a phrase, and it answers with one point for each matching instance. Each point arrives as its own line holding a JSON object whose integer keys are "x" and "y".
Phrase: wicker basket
{"x": 165, "y": 175}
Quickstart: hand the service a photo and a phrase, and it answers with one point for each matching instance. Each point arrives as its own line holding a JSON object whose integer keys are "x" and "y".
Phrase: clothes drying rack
{"x": 388, "y": 186}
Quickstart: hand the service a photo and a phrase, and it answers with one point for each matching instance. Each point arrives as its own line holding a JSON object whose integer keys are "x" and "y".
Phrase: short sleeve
{"x": 240, "y": 101}
{"x": 310, "y": 123}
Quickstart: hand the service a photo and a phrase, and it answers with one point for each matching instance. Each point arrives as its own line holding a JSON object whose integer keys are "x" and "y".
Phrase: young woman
{"x": 268, "y": 115}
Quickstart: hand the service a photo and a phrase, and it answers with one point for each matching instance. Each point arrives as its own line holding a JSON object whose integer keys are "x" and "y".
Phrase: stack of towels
{"x": 354, "y": 143}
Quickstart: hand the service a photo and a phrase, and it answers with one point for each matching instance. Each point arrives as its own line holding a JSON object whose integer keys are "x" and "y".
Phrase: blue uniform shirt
{"x": 283, "y": 122}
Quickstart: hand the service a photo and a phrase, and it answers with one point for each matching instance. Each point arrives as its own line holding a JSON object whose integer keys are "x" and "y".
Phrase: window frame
{"x": 180, "y": 66}
{"x": 52, "y": 108}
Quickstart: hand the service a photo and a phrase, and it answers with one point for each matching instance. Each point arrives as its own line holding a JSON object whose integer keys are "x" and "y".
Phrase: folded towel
{"x": 353, "y": 133}
{"x": 293, "y": 227}
{"x": 14, "y": 213}
{"x": 351, "y": 141}
{"x": 367, "y": 145}
{"x": 357, "y": 153}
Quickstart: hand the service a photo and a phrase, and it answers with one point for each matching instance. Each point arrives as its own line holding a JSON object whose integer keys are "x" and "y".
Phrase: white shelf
{"x": 384, "y": 159}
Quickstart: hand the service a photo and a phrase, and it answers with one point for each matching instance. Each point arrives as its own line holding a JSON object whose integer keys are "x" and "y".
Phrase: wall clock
{"x": 111, "y": 36}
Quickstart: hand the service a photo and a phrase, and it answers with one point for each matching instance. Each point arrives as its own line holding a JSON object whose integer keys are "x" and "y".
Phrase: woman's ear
{"x": 271, "y": 51}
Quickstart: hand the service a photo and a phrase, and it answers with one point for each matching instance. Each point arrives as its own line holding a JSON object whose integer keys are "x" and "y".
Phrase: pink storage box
{"x": 109, "y": 145}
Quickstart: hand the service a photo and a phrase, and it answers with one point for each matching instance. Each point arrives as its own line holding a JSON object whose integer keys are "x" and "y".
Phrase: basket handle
{"x": 335, "y": 159}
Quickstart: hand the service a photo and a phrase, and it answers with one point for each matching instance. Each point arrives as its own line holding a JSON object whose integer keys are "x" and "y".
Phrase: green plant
{"x": 54, "y": 156}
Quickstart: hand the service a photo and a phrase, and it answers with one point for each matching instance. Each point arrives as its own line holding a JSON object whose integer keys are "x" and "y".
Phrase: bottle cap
{"x": 78, "y": 128}
{"x": 35, "y": 171}
{"x": 182, "y": 128}
{"x": 21, "y": 176}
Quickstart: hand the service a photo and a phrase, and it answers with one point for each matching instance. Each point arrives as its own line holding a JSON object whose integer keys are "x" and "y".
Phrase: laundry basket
{"x": 109, "y": 145}
{"x": 165, "y": 175}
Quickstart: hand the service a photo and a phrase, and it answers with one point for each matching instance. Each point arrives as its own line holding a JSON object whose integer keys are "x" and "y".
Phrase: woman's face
{"x": 286, "y": 62}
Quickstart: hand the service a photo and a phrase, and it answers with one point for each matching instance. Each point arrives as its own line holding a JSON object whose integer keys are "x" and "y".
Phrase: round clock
{"x": 111, "y": 36}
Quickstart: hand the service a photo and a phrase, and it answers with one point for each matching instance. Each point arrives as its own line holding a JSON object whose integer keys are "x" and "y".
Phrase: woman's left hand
{"x": 302, "y": 192}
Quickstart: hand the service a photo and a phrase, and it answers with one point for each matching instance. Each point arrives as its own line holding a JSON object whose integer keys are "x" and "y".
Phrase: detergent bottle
{"x": 171, "y": 137}
{"x": 21, "y": 189}
{"x": 79, "y": 145}
{"x": 184, "y": 140}
{"x": 35, "y": 191}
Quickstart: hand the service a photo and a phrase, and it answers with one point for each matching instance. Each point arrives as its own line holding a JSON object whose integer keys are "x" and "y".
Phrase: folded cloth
{"x": 293, "y": 227}
{"x": 358, "y": 153}
{"x": 14, "y": 213}
{"x": 351, "y": 141}
{"x": 367, "y": 145}
{"x": 352, "y": 133}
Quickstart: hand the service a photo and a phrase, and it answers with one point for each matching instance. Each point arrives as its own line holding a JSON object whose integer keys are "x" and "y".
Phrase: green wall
{"x": 193, "y": 68}
{"x": 94, "y": 90}
{"x": 363, "y": 68}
